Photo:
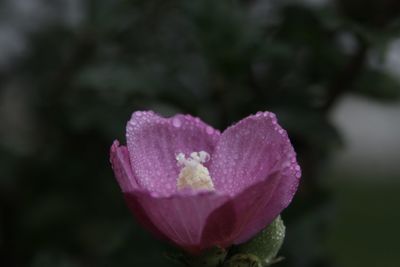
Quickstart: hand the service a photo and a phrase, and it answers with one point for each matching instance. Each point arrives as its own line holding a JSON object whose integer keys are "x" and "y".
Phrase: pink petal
{"x": 180, "y": 218}
{"x": 255, "y": 163}
{"x": 237, "y": 214}
{"x": 119, "y": 158}
{"x": 273, "y": 205}
{"x": 248, "y": 152}
{"x": 153, "y": 143}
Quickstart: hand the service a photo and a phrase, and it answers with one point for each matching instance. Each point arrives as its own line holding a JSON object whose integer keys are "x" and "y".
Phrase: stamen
{"x": 193, "y": 173}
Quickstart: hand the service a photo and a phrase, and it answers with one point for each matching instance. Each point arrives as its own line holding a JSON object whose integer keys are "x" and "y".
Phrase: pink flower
{"x": 199, "y": 188}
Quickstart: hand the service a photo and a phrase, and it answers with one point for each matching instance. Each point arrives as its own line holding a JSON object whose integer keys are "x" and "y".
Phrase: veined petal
{"x": 180, "y": 217}
{"x": 239, "y": 212}
{"x": 121, "y": 165}
{"x": 119, "y": 158}
{"x": 153, "y": 143}
{"x": 273, "y": 204}
{"x": 250, "y": 211}
{"x": 249, "y": 152}
{"x": 255, "y": 163}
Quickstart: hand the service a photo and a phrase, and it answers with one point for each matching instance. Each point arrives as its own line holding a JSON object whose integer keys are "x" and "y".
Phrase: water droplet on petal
{"x": 176, "y": 122}
{"x": 209, "y": 130}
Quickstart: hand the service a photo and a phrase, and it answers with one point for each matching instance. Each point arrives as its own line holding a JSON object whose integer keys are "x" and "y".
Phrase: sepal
{"x": 260, "y": 251}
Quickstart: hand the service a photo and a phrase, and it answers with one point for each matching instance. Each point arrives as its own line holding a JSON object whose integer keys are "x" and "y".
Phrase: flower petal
{"x": 237, "y": 213}
{"x": 181, "y": 217}
{"x": 119, "y": 158}
{"x": 251, "y": 210}
{"x": 249, "y": 152}
{"x": 153, "y": 143}
{"x": 121, "y": 165}
{"x": 255, "y": 163}
{"x": 272, "y": 205}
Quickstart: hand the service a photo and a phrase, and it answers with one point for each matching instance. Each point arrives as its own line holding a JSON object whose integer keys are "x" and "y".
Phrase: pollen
{"x": 194, "y": 174}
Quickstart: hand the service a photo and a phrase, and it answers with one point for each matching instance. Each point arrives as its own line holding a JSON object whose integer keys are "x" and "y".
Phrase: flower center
{"x": 193, "y": 173}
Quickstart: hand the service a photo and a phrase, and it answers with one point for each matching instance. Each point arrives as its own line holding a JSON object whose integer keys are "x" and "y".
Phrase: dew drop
{"x": 209, "y": 130}
{"x": 176, "y": 122}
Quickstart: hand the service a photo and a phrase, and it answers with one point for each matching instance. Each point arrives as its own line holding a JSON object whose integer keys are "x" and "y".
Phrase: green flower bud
{"x": 260, "y": 251}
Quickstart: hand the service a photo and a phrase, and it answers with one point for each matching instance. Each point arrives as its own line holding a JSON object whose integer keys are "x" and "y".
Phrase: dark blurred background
{"x": 73, "y": 71}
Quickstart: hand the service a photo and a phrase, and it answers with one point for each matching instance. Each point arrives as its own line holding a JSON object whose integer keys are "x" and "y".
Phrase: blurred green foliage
{"x": 219, "y": 60}
{"x": 374, "y": 241}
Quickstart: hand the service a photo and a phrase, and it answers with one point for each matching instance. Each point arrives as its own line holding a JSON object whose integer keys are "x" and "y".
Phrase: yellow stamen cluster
{"x": 193, "y": 173}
